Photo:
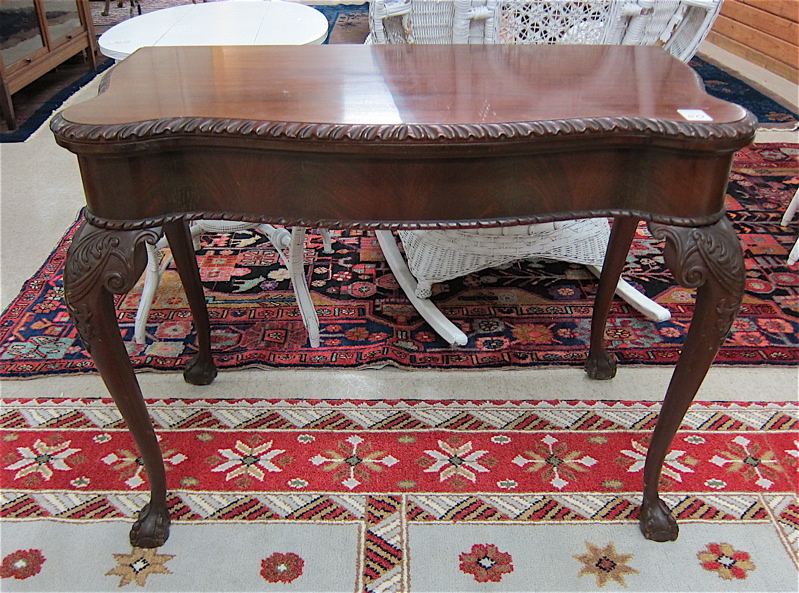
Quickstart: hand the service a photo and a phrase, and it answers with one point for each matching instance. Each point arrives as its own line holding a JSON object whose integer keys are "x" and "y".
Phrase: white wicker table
{"x": 234, "y": 22}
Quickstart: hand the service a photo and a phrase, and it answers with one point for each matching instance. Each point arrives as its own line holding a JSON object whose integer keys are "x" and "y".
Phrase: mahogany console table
{"x": 411, "y": 136}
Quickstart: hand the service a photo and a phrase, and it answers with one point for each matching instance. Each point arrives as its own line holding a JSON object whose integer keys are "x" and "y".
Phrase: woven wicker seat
{"x": 436, "y": 256}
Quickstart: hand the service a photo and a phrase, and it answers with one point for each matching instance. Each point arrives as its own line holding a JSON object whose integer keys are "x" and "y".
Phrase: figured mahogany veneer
{"x": 407, "y": 136}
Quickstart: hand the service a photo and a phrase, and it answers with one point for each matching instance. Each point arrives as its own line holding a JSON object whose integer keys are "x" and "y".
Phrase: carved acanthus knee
{"x": 101, "y": 261}
{"x": 699, "y": 256}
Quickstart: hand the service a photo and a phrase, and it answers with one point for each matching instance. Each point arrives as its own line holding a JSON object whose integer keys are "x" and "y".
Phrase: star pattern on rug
{"x": 352, "y": 463}
{"x": 42, "y": 459}
{"x": 557, "y": 464}
{"x": 605, "y": 564}
{"x": 458, "y": 459}
{"x": 675, "y": 464}
{"x": 486, "y": 563}
{"x": 250, "y": 461}
{"x": 130, "y": 467}
{"x": 729, "y": 563}
{"x": 138, "y": 565}
{"x": 753, "y": 461}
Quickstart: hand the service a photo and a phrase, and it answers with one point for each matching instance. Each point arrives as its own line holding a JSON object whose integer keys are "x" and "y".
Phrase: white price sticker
{"x": 694, "y": 115}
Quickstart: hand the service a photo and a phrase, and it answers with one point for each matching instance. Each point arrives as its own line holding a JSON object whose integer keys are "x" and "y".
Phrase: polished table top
{"x": 401, "y": 84}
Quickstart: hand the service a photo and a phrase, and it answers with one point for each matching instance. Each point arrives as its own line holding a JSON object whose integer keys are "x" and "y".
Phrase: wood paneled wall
{"x": 764, "y": 32}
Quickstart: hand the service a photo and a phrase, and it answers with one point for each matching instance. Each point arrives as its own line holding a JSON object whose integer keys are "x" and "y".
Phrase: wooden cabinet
{"x": 35, "y": 37}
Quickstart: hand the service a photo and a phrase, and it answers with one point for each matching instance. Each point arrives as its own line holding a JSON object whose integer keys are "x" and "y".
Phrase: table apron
{"x": 346, "y": 190}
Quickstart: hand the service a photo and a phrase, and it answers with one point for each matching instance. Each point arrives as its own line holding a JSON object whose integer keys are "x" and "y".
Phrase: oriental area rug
{"x": 531, "y": 313}
{"x": 395, "y": 496}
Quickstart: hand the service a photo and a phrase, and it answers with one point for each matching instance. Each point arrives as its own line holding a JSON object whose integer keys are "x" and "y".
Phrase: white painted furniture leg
{"x": 280, "y": 238}
{"x": 429, "y": 312}
{"x": 793, "y": 256}
{"x": 790, "y": 211}
{"x": 786, "y": 218}
{"x": 152, "y": 278}
{"x": 327, "y": 244}
{"x": 301, "y": 292}
{"x": 636, "y": 299}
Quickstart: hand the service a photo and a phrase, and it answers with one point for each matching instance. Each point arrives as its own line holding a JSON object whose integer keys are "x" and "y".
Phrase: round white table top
{"x": 231, "y": 22}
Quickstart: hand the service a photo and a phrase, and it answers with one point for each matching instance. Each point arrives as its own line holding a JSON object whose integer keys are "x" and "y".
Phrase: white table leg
{"x": 302, "y": 294}
{"x": 326, "y": 242}
{"x": 152, "y": 278}
{"x": 280, "y": 239}
{"x": 793, "y": 257}
{"x": 790, "y": 211}
{"x": 786, "y": 218}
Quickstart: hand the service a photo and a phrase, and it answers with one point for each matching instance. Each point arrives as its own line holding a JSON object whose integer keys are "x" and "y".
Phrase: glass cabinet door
{"x": 62, "y": 19}
{"x": 20, "y": 34}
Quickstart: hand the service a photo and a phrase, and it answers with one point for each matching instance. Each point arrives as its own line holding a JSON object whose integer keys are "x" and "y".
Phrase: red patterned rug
{"x": 526, "y": 314}
{"x": 356, "y": 495}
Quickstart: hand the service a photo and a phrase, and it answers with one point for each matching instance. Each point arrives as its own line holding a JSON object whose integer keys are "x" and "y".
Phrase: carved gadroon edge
{"x": 366, "y": 225}
{"x": 105, "y": 81}
{"x": 99, "y": 259}
{"x": 696, "y": 254}
{"x": 389, "y": 133}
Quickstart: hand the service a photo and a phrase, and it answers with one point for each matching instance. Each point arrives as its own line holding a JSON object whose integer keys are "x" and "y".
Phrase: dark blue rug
{"x": 726, "y": 86}
{"x": 345, "y": 16}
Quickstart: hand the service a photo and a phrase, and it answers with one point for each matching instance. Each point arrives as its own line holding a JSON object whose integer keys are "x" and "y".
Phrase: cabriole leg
{"x": 709, "y": 259}
{"x": 201, "y": 369}
{"x": 101, "y": 263}
{"x": 600, "y": 363}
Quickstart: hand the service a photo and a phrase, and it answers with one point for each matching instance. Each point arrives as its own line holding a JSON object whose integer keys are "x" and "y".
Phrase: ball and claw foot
{"x": 601, "y": 367}
{"x": 200, "y": 372}
{"x": 657, "y": 523}
{"x": 151, "y": 529}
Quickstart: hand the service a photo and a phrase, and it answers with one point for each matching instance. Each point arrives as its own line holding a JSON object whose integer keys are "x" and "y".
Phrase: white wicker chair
{"x": 679, "y": 26}
{"x": 292, "y": 242}
{"x": 436, "y": 256}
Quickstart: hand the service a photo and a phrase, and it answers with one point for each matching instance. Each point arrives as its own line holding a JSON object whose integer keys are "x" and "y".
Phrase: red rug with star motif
{"x": 322, "y": 446}
{"x": 374, "y": 485}
{"x": 527, "y": 314}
